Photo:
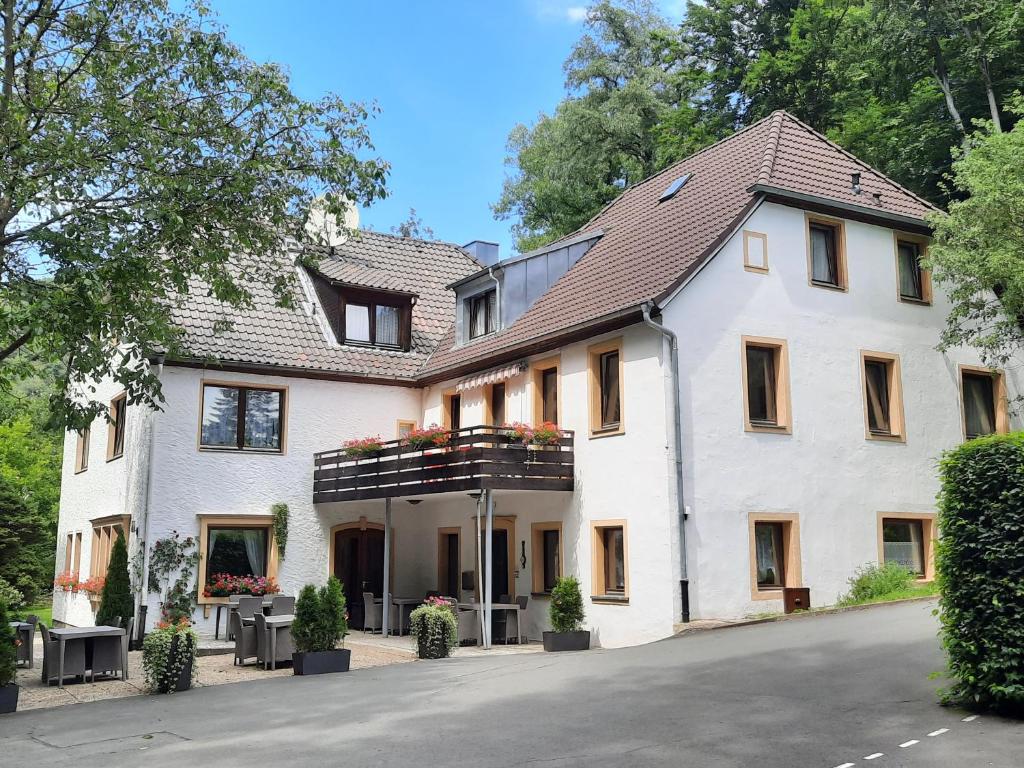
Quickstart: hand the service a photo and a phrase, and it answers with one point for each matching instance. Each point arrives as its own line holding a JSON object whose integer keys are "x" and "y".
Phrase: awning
{"x": 491, "y": 377}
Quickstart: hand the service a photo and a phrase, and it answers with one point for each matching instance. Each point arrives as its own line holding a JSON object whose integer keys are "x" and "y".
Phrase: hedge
{"x": 980, "y": 567}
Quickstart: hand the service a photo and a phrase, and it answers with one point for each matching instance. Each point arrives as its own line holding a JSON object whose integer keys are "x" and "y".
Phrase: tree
{"x": 116, "y": 598}
{"x": 141, "y": 154}
{"x": 414, "y": 227}
{"x": 26, "y": 543}
{"x": 978, "y": 248}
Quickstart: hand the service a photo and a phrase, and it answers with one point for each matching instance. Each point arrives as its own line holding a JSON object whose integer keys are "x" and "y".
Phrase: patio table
{"x": 88, "y": 633}
{"x": 477, "y": 607}
{"x": 401, "y": 603}
{"x": 267, "y": 603}
{"x": 25, "y": 633}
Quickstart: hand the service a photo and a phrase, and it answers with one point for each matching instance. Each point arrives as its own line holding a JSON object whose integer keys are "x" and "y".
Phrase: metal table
{"x": 497, "y": 607}
{"x": 400, "y": 603}
{"x": 267, "y": 603}
{"x": 87, "y": 633}
{"x": 25, "y": 632}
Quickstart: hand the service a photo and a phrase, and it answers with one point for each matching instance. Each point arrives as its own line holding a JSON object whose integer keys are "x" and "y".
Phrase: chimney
{"x": 878, "y": 197}
{"x": 855, "y": 182}
{"x": 483, "y": 251}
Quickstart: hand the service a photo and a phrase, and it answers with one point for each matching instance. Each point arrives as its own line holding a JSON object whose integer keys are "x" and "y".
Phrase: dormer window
{"x": 375, "y": 319}
{"x": 482, "y": 313}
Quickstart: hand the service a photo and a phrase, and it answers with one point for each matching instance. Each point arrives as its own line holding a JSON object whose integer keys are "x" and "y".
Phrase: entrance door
{"x": 502, "y": 580}
{"x": 359, "y": 565}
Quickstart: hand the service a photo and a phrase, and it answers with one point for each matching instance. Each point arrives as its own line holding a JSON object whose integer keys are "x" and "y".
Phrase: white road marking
{"x": 845, "y": 765}
{"x": 969, "y": 718}
{"x": 939, "y": 732}
{"x": 875, "y": 756}
{"x": 910, "y": 743}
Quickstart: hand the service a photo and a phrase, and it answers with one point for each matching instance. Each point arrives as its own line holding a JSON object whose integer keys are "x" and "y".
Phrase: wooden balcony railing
{"x": 474, "y": 458}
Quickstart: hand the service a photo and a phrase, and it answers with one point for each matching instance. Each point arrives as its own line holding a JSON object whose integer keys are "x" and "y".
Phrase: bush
{"x": 873, "y": 581}
{"x": 116, "y": 597}
{"x": 435, "y": 628}
{"x": 10, "y": 595}
{"x": 166, "y": 651}
{"x": 320, "y": 618}
{"x": 980, "y": 565}
{"x": 566, "y": 610}
{"x": 8, "y": 649}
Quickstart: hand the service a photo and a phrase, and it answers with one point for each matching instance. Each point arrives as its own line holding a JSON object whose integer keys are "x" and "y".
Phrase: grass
{"x": 44, "y": 610}
{"x": 916, "y": 589}
{"x": 874, "y": 583}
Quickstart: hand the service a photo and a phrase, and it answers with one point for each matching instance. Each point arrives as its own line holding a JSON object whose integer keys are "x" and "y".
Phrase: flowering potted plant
{"x": 547, "y": 433}
{"x": 363, "y": 447}
{"x": 566, "y": 614}
{"x": 320, "y": 623}
{"x": 435, "y": 628}
{"x": 67, "y": 581}
{"x": 8, "y": 663}
{"x": 93, "y": 587}
{"x": 224, "y": 584}
{"x": 169, "y": 656}
{"x": 428, "y": 437}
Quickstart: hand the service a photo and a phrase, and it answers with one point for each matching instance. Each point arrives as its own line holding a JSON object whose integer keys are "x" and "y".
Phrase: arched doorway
{"x": 357, "y": 559}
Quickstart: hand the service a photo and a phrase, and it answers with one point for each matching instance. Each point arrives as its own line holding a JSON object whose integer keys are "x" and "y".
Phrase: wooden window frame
{"x": 594, "y": 354}
{"x": 69, "y": 552}
{"x": 240, "y": 437}
{"x": 783, "y": 405}
{"x": 748, "y": 265}
{"x": 442, "y": 562}
{"x": 82, "y": 439}
{"x": 488, "y": 396}
{"x": 537, "y": 370}
{"x": 999, "y": 397}
{"x": 841, "y": 267}
{"x": 116, "y": 427}
{"x": 922, "y": 243}
{"x": 447, "y": 399}
{"x": 232, "y": 521}
{"x": 104, "y": 534}
{"x": 897, "y": 423}
{"x": 537, "y": 531}
{"x": 792, "y": 573}
{"x": 372, "y": 299}
{"x": 599, "y": 591}
{"x": 490, "y": 320}
{"x": 929, "y": 534}
{"x": 400, "y": 424}
{"x": 78, "y": 555}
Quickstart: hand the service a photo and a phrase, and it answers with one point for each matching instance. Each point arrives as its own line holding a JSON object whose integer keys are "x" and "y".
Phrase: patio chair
{"x": 74, "y": 657}
{"x": 514, "y": 618}
{"x": 245, "y": 639}
{"x": 468, "y": 626}
{"x": 107, "y": 656}
{"x": 232, "y": 607}
{"x": 27, "y": 641}
{"x": 281, "y": 605}
{"x": 373, "y": 613}
{"x": 249, "y": 606}
{"x": 285, "y": 646}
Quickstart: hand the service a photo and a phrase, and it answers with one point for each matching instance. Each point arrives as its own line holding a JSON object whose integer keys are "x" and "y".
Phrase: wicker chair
{"x": 373, "y": 613}
{"x": 74, "y": 657}
{"x": 281, "y": 605}
{"x": 245, "y": 639}
{"x": 514, "y": 619}
{"x": 285, "y": 646}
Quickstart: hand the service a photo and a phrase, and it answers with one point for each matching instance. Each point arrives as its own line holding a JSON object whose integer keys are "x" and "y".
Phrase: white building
{"x": 810, "y": 400}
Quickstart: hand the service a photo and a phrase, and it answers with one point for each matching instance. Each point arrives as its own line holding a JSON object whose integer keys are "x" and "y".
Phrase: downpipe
{"x": 673, "y": 340}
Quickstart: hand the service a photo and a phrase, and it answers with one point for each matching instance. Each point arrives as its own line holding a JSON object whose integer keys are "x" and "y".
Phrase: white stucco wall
{"x": 825, "y": 471}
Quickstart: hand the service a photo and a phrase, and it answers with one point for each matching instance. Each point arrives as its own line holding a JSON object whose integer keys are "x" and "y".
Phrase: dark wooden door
{"x": 359, "y": 565}
{"x": 499, "y": 573}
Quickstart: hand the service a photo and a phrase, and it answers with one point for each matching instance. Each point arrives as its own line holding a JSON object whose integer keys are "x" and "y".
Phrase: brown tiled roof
{"x": 648, "y": 247}
{"x": 291, "y": 338}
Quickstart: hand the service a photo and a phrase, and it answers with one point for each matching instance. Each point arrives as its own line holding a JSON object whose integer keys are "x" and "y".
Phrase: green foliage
{"x": 24, "y": 534}
{"x": 134, "y": 129}
{"x": 413, "y": 227}
{"x": 435, "y": 628}
{"x": 566, "y": 609}
{"x": 10, "y": 595}
{"x": 873, "y": 581}
{"x": 320, "y": 617}
{"x": 170, "y": 557}
{"x": 979, "y": 245}
{"x": 8, "y": 649}
{"x": 116, "y": 598}
{"x": 280, "y": 513}
{"x": 980, "y": 566}
{"x": 165, "y": 653}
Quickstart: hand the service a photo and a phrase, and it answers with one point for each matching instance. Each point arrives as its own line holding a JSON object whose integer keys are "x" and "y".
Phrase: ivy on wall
{"x": 280, "y": 513}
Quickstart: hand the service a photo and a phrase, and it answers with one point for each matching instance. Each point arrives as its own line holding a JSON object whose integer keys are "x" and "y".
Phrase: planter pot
{"x": 8, "y": 698}
{"x": 184, "y": 681}
{"x": 567, "y": 641}
{"x": 321, "y": 662}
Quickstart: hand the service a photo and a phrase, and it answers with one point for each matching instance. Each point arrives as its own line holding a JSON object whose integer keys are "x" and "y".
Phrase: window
{"x": 774, "y": 554}
{"x": 82, "y": 450}
{"x": 77, "y": 565}
{"x": 883, "y": 396}
{"x": 69, "y": 554}
{"x": 826, "y": 259}
{"x": 915, "y": 284}
{"x": 755, "y": 251}
{"x": 453, "y": 411}
{"x": 496, "y": 404}
{"x": 449, "y": 561}
{"x": 115, "y": 429}
{"x": 242, "y": 418}
{"x": 104, "y": 533}
{"x": 908, "y": 538}
{"x": 545, "y": 391}
{"x": 606, "y": 388}
{"x": 610, "y": 562}
{"x": 766, "y": 385}
{"x": 238, "y": 545}
{"x": 404, "y": 428}
{"x": 368, "y": 318}
{"x": 983, "y": 401}
{"x": 547, "y": 556}
{"x": 482, "y": 314}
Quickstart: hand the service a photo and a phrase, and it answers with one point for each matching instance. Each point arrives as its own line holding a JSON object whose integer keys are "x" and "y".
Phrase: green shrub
{"x": 980, "y": 566}
{"x": 8, "y": 649}
{"x": 320, "y": 619}
{"x": 10, "y": 595}
{"x": 566, "y": 610}
{"x": 163, "y": 658}
{"x": 116, "y": 597}
{"x": 873, "y": 581}
{"x": 435, "y": 627}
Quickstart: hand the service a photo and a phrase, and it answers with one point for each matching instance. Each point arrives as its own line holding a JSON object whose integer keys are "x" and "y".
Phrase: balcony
{"x": 473, "y": 459}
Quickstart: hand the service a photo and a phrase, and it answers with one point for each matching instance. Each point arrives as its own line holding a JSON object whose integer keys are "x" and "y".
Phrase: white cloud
{"x": 560, "y": 10}
{"x": 576, "y": 13}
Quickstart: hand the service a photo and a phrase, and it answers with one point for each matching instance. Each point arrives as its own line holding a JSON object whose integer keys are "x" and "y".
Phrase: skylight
{"x": 675, "y": 186}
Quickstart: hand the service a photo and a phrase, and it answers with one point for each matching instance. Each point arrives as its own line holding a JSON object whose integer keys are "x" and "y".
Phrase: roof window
{"x": 674, "y": 187}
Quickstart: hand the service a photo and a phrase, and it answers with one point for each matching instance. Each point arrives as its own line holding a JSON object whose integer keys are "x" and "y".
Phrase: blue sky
{"x": 451, "y": 78}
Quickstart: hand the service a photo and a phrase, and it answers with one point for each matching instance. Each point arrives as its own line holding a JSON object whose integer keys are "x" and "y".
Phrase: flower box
{"x": 321, "y": 662}
{"x": 225, "y": 585}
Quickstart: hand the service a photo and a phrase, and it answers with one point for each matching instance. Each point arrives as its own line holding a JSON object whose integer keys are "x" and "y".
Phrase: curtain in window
{"x": 979, "y": 404}
{"x": 910, "y": 271}
{"x": 761, "y": 395}
{"x": 387, "y": 325}
{"x": 492, "y": 311}
{"x": 823, "y": 256}
{"x": 255, "y": 549}
{"x": 903, "y": 543}
{"x": 876, "y": 380}
{"x": 610, "y": 403}
{"x": 549, "y": 394}
{"x": 768, "y": 543}
{"x": 263, "y": 419}
{"x": 220, "y": 416}
{"x": 357, "y": 322}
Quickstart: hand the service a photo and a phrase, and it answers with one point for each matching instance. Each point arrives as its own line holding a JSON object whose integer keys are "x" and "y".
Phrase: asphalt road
{"x": 816, "y": 692}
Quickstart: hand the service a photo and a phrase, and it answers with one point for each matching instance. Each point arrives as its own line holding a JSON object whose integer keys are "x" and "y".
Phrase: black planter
{"x": 184, "y": 681}
{"x": 321, "y": 662}
{"x": 8, "y": 698}
{"x": 567, "y": 641}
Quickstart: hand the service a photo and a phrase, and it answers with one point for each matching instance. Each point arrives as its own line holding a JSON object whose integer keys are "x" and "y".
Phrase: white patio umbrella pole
{"x": 386, "y": 610}
{"x": 480, "y": 568}
{"x": 488, "y": 586}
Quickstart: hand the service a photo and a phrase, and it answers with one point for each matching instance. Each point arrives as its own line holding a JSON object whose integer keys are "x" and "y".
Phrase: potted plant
{"x": 8, "y": 663}
{"x": 546, "y": 434}
{"x": 566, "y": 614}
{"x": 435, "y": 628}
{"x": 169, "y": 657}
{"x": 428, "y": 437}
{"x": 67, "y": 581}
{"x": 320, "y": 623}
{"x": 363, "y": 447}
